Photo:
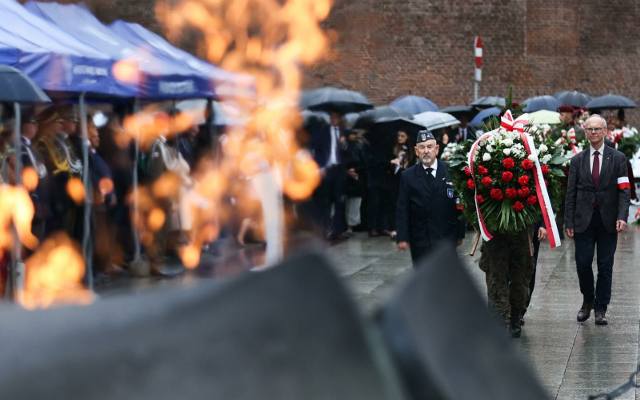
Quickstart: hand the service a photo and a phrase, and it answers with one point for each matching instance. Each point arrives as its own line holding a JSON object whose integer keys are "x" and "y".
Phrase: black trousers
{"x": 418, "y": 252}
{"x": 586, "y": 243}
{"x": 331, "y": 192}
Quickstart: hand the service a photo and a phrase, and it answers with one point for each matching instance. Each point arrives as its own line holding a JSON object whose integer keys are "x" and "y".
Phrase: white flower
{"x": 546, "y": 158}
{"x": 489, "y": 148}
{"x": 543, "y": 148}
{"x": 507, "y": 142}
{"x": 507, "y": 152}
{"x": 532, "y": 157}
{"x": 486, "y": 157}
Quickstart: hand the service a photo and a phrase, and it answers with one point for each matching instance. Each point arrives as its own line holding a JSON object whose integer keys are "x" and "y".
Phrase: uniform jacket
{"x": 424, "y": 217}
{"x": 611, "y": 197}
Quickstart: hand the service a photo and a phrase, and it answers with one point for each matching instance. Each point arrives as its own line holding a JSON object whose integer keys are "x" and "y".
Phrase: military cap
{"x": 424, "y": 135}
{"x": 68, "y": 112}
{"x": 48, "y": 115}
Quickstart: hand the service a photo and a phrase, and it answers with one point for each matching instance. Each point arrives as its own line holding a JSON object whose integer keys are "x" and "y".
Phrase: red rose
{"x": 480, "y": 199}
{"x": 517, "y": 206}
{"x": 545, "y": 169}
{"x": 467, "y": 171}
{"x": 486, "y": 181}
{"x": 523, "y": 192}
{"x": 511, "y": 193}
{"x": 532, "y": 200}
{"x": 508, "y": 163}
{"x": 523, "y": 180}
{"x": 527, "y": 164}
{"x": 471, "y": 184}
{"x": 496, "y": 194}
{"x": 482, "y": 170}
{"x": 507, "y": 176}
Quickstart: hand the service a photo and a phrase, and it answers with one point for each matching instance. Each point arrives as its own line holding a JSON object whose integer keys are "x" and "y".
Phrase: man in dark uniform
{"x": 426, "y": 211}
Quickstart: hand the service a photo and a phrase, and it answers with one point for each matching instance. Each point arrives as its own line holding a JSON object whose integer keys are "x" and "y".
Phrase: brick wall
{"x": 388, "y": 48}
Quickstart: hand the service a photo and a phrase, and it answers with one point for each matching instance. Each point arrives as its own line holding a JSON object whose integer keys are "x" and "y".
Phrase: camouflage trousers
{"x": 506, "y": 261}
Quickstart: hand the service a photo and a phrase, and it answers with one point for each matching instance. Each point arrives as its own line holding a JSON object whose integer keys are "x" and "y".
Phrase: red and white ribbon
{"x": 507, "y": 122}
{"x": 548, "y": 217}
{"x": 623, "y": 183}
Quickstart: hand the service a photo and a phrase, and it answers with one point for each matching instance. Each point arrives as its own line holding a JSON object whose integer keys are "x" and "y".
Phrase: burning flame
{"x": 127, "y": 71}
{"x": 54, "y": 276}
{"x": 30, "y": 178}
{"x": 75, "y": 189}
{"x": 16, "y": 209}
{"x": 270, "y": 41}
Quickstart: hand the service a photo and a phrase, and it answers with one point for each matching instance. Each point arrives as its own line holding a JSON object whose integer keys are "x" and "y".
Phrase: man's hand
{"x": 569, "y": 232}
{"x": 542, "y": 233}
{"x": 402, "y": 246}
{"x": 620, "y": 225}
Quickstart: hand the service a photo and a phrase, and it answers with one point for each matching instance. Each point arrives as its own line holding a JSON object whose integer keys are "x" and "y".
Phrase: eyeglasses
{"x": 593, "y": 129}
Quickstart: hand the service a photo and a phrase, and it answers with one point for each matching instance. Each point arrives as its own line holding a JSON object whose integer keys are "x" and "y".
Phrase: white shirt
{"x": 335, "y": 134}
{"x": 434, "y": 166}
{"x": 463, "y": 133}
{"x": 591, "y": 151}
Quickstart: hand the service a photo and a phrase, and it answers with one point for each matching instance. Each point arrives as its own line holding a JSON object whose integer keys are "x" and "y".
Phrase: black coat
{"x": 424, "y": 216}
{"x": 613, "y": 202}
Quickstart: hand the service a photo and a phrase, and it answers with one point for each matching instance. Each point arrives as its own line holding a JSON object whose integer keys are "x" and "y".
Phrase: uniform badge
{"x": 450, "y": 193}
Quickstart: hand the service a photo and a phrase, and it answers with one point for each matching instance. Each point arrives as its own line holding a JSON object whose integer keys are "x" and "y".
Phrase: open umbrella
{"x": 413, "y": 104}
{"x": 543, "y": 117}
{"x": 489, "y": 101}
{"x": 611, "y": 102}
{"x": 15, "y": 86}
{"x": 479, "y": 119}
{"x": 538, "y": 103}
{"x": 369, "y": 117}
{"x": 573, "y": 98}
{"x": 332, "y": 99}
{"x": 435, "y": 120}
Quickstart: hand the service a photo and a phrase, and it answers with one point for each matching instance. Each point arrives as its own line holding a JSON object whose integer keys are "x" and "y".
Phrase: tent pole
{"x": 16, "y": 275}
{"x": 87, "y": 249}
{"x": 136, "y": 199}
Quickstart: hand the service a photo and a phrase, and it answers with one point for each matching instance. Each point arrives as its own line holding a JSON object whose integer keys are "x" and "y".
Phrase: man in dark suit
{"x": 328, "y": 146}
{"x": 463, "y": 132}
{"x": 596, "y": 210}
{"x": 426, "y": 211}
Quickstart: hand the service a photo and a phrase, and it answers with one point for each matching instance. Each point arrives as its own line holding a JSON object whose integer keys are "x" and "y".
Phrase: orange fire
{"x": 54, "y": 276}
{"x": 269, "y": 41}
{"x": 16, "y": 210}
{"x": 75, "y": 189}
{"x": 127, "y": 71}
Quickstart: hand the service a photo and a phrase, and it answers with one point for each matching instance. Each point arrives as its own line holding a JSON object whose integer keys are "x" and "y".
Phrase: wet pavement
{"x": 573, "y": 359}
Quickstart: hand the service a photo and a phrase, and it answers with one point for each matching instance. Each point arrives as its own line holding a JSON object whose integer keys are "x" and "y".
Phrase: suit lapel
{"x": 607, "y": 166}
{"x": 586, "y": 165}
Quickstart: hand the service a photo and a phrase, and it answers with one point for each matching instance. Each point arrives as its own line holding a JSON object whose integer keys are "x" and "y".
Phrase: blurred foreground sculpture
{"x": 446, "y": 343}
{"x": 288, "y": 333}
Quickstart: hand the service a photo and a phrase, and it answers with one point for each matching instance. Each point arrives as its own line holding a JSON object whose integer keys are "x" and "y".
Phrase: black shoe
{"x": 585, "y": 312}
{"x": 601, "y": 318}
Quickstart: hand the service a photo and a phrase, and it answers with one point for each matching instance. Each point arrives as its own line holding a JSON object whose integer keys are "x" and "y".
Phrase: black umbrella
{"x": 611, "y": 102}
{"x": 572, "y": 98}
{"x": 460, "y": 111}
{"x": 489, "y": 101}
{"x": 15, "y": 86}
{"x": 537, "y": 103}
{"x": 332, "y": 99}
{"x": 382, "y": 113}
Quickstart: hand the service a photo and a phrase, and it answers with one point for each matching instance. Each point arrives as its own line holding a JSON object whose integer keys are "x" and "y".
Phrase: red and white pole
{"x": 477, "y": 51}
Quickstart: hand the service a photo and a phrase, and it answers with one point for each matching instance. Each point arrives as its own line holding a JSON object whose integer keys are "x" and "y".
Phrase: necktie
{"x": 429, "y": 174}
{"x": 595, "y": 170}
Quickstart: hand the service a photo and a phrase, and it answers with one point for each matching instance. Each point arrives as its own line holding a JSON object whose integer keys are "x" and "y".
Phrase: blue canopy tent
{"x": 55, "y": 60}
{"x": 159, "y": 77}
{"x": 226, "y": 83}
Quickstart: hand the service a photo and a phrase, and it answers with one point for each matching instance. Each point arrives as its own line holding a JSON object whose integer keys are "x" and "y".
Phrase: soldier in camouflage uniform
{"x": 506, "y": 260}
